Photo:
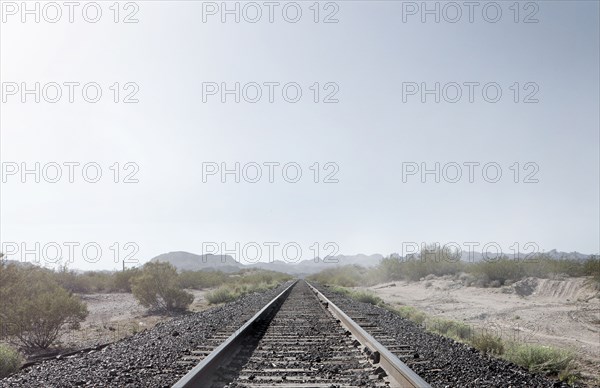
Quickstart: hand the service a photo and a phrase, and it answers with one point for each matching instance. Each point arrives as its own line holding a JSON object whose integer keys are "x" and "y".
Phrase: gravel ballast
{"x": 441, "y": 361}
{"x": 146, "y": 359}
{"x": 150, "y": 358}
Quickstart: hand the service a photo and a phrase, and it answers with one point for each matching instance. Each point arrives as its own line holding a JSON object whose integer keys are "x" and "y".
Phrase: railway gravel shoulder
{"x": 441, "y": 361}
{"x": 146, "y": 359}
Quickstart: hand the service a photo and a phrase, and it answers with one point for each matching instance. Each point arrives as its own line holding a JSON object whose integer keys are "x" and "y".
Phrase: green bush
{"x": 157, "y": 287}
{"x": 122, "y": 279}
{"x": 440, "y": 326}
{"x": 461, "y": 331}
{"x": 10, "y": 361}
{"x": 221, "y": 295}
{"x": 498, "y": 271}
{"x": 450, "y": 328}
{"x": 361, "y": 296}
{"x": 592, "y": 268}
{"x": 537, "y": 358}
{"x": 340, "y": 290}
{"x": 199, "y": 280}
{"x": 86, "y": 282}
{"x": 34, "y": 308}
{"x": 366, "y": 297}
{"x": 243, "y": 285}
{"x": 488, "y": 343}
{"x": 259, "y": 276}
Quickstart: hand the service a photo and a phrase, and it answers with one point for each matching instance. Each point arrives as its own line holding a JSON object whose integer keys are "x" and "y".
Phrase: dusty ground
{"x": 115, "y": 316}
{"x": 562, "y": 313}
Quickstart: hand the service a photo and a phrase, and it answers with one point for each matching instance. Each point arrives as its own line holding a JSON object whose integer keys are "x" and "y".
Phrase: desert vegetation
{"x": 157, "y": 287}
{"x": 361, "y": 296}
{"x": 34, "y": 308}
{"x": 34, "y": 311}
{"x": 513, "y": 275}
{"x": 246, "y": 282}
{"x": 501, "y": 271}
{"x": 534, "y": 357}
{"x": 40, "y": 306}
{"x": 89, "y": 282}
{"x": 10, "y": 360}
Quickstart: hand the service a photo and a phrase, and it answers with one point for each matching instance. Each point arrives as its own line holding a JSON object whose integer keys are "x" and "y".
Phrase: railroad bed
{"x": 161, "y": 356}
{"x": 304, "y": 344}
{"x": 298, "y": 343}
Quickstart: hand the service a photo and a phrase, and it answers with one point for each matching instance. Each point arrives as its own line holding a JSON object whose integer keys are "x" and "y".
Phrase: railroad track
{"x": 299, "y": 339}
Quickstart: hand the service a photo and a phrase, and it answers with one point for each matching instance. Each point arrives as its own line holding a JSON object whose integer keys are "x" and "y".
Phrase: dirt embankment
{"x": 115, "y": 316}
{"x": 563, "y": 313}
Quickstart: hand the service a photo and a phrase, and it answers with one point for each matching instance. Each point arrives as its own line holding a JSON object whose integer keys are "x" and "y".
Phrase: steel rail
{"x": 391, "y": 364}
{"x": 202, "y": 373}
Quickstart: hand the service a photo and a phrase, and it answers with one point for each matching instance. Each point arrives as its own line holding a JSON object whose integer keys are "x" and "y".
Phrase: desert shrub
{"x": 461, "y": 331}
{"x": 221, "y": 295}
{"x": 360, "y": 296}
{"x": 85, "y": 283}
{"x": 246, "y": 283}
{"x": 89, "y": 281}
{"x": 411, "y": 313}
{"x": 539, "y": 358}
{"x": 340, "y": 290}
{"x": 264, "y": 277}
{"x": 199, "y": 280}
{"x": 440, "y": 326}
{"x": 497, "y": 271}
{"x": 122, "y": 279}
{"x": 10, "y": 361}
{"x": 592, "y": 268}
{"x": 366, "y": 297}
{"x": 430, "y": 262}
{"x": 390, "y": 268}
{"x": 449, "y": 328}
{"x": 229, "y": 293}
{"x": 70, "y": 280}
{"x": 98, "y": 281}
{"x": 157, "y": 287}
{"x": 488, "y": 343}
{"x": 34, "y": 308}
{"x": 542, "y": 266}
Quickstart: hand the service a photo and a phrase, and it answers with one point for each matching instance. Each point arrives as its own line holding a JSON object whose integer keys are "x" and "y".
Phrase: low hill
{"x": 185, "y": 261}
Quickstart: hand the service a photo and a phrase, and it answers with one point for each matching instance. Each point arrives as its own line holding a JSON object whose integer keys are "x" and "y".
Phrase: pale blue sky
{"x": 368, "y": 134}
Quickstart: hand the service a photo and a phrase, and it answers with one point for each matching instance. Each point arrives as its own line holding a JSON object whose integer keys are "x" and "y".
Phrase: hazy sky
{"x": 375, "y": 61}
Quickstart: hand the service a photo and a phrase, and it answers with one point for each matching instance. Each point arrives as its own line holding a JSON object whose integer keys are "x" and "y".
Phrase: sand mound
{"x": 572, "y": 288}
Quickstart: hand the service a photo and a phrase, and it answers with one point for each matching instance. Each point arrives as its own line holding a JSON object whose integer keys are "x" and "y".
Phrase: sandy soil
{"x": 115, "y": 316}
{"x": 562, "y": 313}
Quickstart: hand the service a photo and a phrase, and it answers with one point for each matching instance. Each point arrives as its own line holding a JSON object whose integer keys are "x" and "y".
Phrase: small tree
{"x": 157, "y": 287}
{"x": 34, "y": 308}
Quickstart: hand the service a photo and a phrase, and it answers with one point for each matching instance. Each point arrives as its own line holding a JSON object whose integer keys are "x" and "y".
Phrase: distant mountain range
{"x": 185, "y": 261}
